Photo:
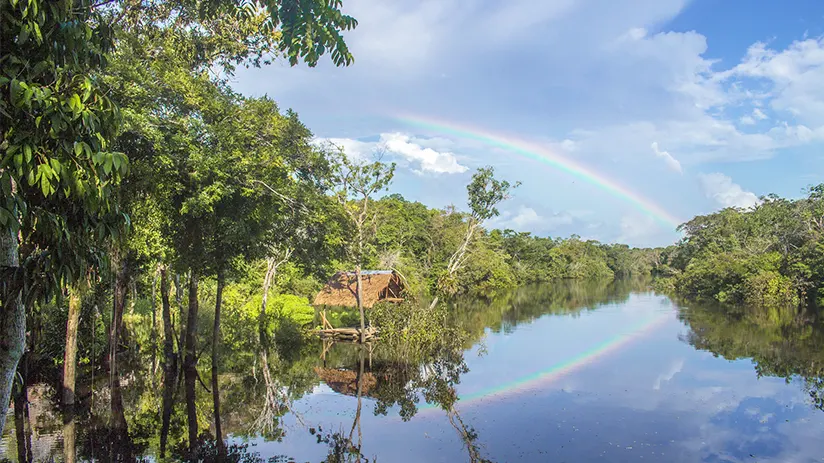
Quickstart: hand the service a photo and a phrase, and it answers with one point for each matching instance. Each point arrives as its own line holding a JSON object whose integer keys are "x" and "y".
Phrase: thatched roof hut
{"x": 346, "y": 381}
{"x": 376, "y": 286}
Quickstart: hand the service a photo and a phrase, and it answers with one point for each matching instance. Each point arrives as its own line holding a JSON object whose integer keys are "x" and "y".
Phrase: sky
{"x": 621, "y": 118}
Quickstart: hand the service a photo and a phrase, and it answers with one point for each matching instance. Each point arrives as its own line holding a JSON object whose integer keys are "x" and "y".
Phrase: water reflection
{"x": 527, "y": 387}
{"x": 784, "y": 343}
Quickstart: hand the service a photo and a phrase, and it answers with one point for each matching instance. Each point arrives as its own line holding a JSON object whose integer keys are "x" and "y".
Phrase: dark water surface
{"x": 561, "y": 373}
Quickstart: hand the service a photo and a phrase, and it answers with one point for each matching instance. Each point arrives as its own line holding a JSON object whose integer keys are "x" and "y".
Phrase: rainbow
{"x": 560, "y": 369}
{"x": 546, "y": 156}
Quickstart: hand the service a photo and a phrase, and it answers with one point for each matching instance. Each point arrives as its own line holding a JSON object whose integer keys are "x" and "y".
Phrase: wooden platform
{"x": 348, "y": 334}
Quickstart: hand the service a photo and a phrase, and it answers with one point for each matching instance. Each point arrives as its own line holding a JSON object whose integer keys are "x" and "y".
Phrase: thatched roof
{"x": 346, "y": 381}
{"x": 376, "y": 286}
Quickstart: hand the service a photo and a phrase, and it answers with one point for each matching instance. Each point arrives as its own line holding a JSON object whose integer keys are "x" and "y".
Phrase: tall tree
{"x": 56, "y": 171}
{"x": 355, "y": 184}
{"x": 485, "y": 193}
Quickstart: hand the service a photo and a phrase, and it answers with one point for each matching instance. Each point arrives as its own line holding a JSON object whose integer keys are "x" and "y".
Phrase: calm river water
{"x": 560, "y": 373}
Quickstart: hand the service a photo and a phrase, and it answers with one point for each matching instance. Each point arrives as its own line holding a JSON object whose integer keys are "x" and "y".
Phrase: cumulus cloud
{"x": 428, "y": 159}
{"x": 723, "y": 191}
{"x": 422, "y": 159}
{"x": 671, "y": 161}
{"x": 794, "y": 77}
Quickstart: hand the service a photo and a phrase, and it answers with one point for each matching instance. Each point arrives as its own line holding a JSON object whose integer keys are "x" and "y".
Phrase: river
{"x": 571, "y": 372}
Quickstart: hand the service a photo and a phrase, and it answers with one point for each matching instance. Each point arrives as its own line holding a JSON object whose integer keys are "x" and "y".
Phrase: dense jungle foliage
{"x": 770, "y": 255}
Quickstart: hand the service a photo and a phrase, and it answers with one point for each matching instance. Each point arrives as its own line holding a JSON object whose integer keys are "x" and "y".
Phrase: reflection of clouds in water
{"x": 674, "y": 369}
{"x": 724, "y": 412}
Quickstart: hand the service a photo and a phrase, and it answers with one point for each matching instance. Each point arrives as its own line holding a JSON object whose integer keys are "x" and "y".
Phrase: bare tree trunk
{"x": 221, "y": 450}
{"x": 359, "y": 296}
{"x": 190, "y": 364}
{"x": 70, "y": 354}
{"x": 267, "y": 284}
{"x": 12, "y": 318}
{"x": 273, "y": 262}
{"x": 457, "y": 259}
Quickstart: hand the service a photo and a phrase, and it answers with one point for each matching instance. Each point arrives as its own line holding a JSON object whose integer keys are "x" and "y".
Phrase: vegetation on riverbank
{"x": 771, "y": 255}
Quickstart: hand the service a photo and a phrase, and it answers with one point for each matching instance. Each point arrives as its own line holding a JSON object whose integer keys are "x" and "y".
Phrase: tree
{"x": 354, "y": 185}
{"x": 485, "y": 193}
{"x": 56, "y": 171}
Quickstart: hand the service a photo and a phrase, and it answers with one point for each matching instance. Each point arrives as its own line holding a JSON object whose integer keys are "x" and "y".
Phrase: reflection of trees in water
{"x": 468, "y": 435}
{"x": 781, "y": 342}
{"x": 257, "y": 388}
{"x": 527, "y": 303}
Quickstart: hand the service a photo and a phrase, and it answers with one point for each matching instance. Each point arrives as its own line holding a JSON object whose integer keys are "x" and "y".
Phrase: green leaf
{"x": 23, "y": 36}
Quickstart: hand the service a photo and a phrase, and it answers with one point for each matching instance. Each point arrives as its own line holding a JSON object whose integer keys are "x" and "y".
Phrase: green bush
{"x": 770, "y": 289}
{"x": 294, "y": 308}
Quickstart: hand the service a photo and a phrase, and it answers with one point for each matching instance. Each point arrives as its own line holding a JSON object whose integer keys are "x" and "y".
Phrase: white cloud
{"x": 721, "y": 188}
{"x": 429, "y": 160}
{"x": 525, "y": 218}
{"x": 747, "y": 120}
{"x": 758, "y": 114}
{"x": 635, "y": 229}
{"x": 355, "y": 150}
{"x": 422, "y": 159}
{"x": 671, "y": 161}
{"x": 794, "y": 76}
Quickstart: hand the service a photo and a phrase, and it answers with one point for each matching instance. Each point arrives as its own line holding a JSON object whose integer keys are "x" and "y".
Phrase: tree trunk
{"x": 70, "y": 354}
{"x": 12, "y": 318}
{"x": 215, "y": 344}
{"x": 153, "y": 333}
{"x": 22, "y": 426}
{"x": 359, "y": 393}
{"x": 181, "y": 345}
{"x": 271, "y": 265}
{"x": 69, "y": 438}
{"x": 190, "y": 364}
{"x": 169, "y": 361}
{"x": 166, "y": 314}
{"x": 121, "y": 285}
{"x": 359, "y": 296}
{"x": 118, "y": 425}
{"x": 169, "y": 386}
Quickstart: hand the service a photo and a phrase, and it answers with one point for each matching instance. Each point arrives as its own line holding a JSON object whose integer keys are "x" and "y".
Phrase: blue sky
{"x": 692, "y": 105}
